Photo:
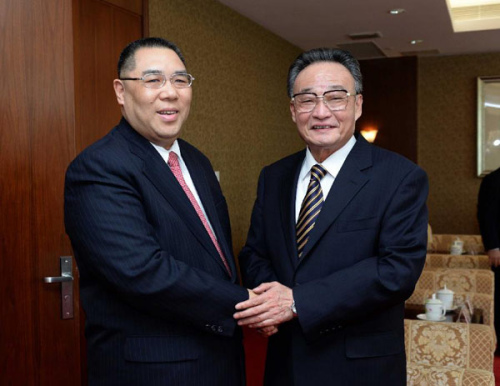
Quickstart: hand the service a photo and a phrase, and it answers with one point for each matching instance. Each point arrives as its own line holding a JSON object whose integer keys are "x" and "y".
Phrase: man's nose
{"x": 168, "y": 91}
{"x": 321, "y": 110}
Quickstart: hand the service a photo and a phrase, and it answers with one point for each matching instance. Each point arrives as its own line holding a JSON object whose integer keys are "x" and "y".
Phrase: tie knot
{"x": 318, "y": 172}
{"x": 173, "y": 160}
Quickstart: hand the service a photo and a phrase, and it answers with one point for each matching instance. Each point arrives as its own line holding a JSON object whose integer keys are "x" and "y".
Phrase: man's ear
{"x": 359, "y": 106}
{"x": 292, "y": 111}
{"x": 119, "y": 91}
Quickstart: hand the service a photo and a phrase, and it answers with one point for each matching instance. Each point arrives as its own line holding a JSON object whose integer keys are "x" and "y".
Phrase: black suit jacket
{"x": 363, "y": 259}
{"x": 488, "y": 210}
{"x": 158, "y": 299}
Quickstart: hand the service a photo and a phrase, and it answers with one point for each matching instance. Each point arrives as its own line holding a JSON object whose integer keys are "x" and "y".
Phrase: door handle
{"x": 58, "y": 279}
{"x": 66, "y": 280}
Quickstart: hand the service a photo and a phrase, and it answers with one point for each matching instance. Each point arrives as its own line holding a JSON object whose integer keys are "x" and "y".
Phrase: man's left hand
{"x": 271, "y": 307}
{"x": 266, "y": 332}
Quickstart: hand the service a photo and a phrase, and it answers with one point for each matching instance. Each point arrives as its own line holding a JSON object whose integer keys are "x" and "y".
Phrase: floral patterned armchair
{"x": 438, "y": 260}
{"x": 425, "y": 375}
{"x": 458, "y": 280}
{"x": 441, "y": 243}
{"x": 449, "y": 353}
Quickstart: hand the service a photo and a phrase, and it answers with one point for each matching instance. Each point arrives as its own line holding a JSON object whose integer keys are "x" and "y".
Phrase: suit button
{"x": 207, "y": 326}
{"x": 220, "y": 330}
{"x": 214, "y": 328}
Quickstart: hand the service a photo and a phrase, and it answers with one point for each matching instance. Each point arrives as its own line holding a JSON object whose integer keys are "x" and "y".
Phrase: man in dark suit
{"x": 337, "y": 240}
{"x": 151, "y": 235}
{"x": 488, "y": 215}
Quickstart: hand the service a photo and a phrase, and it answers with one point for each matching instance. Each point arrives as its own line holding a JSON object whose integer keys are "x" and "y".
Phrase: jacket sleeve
{"x": 256, "y": 267}
{"x": 115, "y": 244}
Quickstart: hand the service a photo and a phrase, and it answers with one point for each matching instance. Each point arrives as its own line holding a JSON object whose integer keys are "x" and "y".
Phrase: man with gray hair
{"x": 337, "y": 240}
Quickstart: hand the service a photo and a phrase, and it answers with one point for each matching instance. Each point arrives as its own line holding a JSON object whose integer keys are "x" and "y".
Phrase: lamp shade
{"x": 369, "y": 134}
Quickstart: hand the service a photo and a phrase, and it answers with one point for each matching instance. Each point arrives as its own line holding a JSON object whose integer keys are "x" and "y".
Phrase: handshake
{"x": 269, "y": 305}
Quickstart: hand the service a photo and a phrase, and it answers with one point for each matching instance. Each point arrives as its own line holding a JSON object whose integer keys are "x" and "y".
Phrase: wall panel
{"x": 447, "y": 137}
{"x": 390, "y": 103}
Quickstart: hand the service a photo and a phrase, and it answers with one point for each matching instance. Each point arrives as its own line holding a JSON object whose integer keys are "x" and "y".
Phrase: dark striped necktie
{"x": 311, "y": 206}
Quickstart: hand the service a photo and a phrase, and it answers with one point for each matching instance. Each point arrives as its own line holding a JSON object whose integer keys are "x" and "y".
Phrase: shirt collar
{"x": 332, "y": 164}
{"x": 165, "y": 153}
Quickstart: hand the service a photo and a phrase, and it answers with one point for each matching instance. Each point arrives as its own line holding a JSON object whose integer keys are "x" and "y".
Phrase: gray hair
{"x": 325, "y": 55}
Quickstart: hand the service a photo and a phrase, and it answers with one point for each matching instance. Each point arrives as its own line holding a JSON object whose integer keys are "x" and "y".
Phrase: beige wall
{"x": 239, "y": 117}
{"x": 447, "y": 136}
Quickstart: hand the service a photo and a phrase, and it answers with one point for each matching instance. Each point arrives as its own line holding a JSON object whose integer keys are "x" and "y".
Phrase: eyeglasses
{"x": 158, "y": 80}
{"x": 335, "y": 100}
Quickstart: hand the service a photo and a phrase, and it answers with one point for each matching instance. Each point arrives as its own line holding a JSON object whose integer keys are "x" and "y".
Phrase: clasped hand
{"x": 494, "y": 257}
{"x": 269, "y": 306}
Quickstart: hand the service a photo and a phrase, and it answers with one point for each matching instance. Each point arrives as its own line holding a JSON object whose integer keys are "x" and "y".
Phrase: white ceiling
{"x": 327, "y": 23}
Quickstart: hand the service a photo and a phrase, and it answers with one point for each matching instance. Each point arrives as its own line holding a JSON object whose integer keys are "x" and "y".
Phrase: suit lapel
{"x": 348, "y": 183}
{"x": 158, "y": 172}
{"x": 287, "y": 201}
{"x": 200, "y": 181}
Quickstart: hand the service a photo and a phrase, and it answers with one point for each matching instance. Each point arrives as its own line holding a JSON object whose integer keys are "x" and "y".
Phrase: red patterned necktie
{"x": 173, "y": 162}
{"x": 311, "y": 206}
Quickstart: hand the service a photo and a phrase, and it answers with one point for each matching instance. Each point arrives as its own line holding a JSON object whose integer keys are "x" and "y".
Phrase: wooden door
{"x": 39, "y": 136}
{"x": 103, "y": 29}
{"x": 37, "y": 347}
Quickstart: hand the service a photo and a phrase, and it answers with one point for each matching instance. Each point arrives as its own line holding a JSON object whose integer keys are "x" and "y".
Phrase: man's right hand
{"x": 494, "y": 256}
{"x": 264, "y": 331}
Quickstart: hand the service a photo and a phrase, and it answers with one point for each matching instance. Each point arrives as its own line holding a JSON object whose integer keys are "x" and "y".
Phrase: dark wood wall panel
{"x": 103, "y": 31}
{"x": 390, "y": 103}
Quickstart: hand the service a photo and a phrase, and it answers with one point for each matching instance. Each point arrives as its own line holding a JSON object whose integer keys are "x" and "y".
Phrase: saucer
{"x": 451, "y": 309}
{"x": 424, "y": 317}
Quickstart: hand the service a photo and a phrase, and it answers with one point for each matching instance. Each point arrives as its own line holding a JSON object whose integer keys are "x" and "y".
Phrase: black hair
{"x": 127, "y": 61}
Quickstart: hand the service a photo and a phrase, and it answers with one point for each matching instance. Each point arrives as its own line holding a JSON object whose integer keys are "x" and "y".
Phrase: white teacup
{"x": 446, "y": 296}
{"x": 434, "y": 309}
{"x": 457, "y": 247}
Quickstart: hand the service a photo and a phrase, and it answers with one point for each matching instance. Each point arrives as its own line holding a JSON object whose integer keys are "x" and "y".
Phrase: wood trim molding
{"x": 134, "y": 6}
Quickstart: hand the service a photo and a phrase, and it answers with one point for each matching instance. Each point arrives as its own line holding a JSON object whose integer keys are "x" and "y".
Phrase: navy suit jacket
{"x": 158, "y": 299}
{"x": 488, "y": 210}
{"x": 362, "y": 261}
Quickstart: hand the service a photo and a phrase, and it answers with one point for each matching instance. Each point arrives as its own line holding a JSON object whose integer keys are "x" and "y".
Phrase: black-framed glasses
{"x": 335, "y": 100}
{"x": 158, "y": 80}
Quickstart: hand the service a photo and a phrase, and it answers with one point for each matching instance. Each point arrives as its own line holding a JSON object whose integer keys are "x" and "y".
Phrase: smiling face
{"x": 156, "y": 114}
{"x": 322, "y": 130}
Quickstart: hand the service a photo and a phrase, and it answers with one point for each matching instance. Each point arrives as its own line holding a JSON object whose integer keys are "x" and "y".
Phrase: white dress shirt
{"x": 185, "y": 174}
{"x": 332, "y": 165}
